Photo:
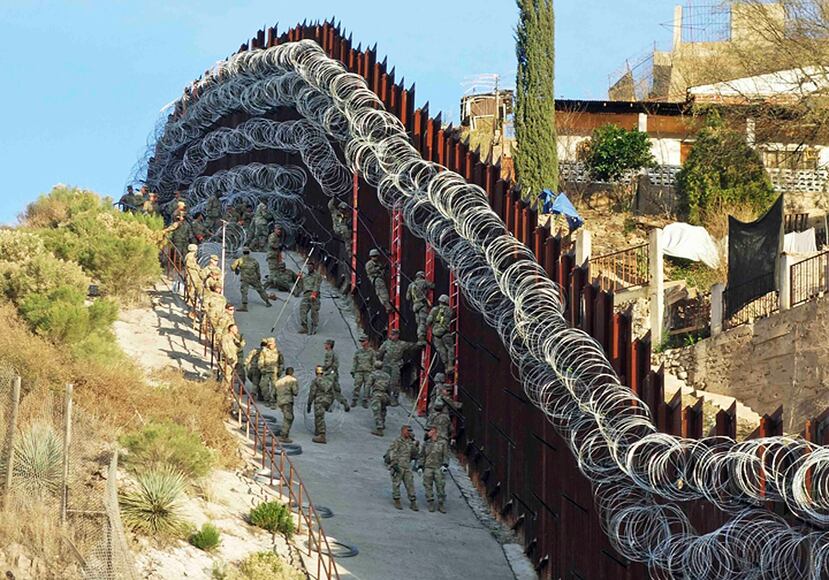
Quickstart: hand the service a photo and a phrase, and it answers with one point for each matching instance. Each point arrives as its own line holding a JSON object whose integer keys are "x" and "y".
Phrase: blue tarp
{"x": 560, "y": 204}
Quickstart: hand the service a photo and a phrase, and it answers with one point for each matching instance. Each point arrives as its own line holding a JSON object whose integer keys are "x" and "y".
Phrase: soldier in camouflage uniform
{"x": 252, "y": 369}
{"x": 131, "y": 201}
{"x": 179, "y": 211}
{"x": 378, "y": 388}
{"x": 226, "y": 318}
{"x": 248, "y": 268}
{"x": 212, "y": 266}
{"x": 398, "y": 458}
{"x": 376, "y": 272}
{"x": 214, "y": 300}
{"x": 229, "y": 351}
{"x": 440, "y": 319}
{"x": 340, "y": 223}
{"x": 309, "y": 287}
{"x": 392, "y": 351}
{"x": 261, "y": 220}
{"x": 321, "y": 395}
{"x": 361, "y": 368}
{"x": 331, "y": 363}
{"x": 287, "y": 388}
{"x": 192, "y": 276}
{"x": 213, "y": 211}
{"x": 274, "y": 247}
{"x": 199, "y": 228}
{"x": 270, "y": 367}
{"x": 434, "y": 463}
{"x": 439, "y": 419}
{"x": 150, "y": 206}
{"x": 282, "y": 278}
{"x": 180, "y": 235}
{"x": 417, "y": 295}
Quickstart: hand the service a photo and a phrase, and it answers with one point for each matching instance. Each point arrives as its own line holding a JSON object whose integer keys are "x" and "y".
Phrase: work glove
{"x": 347, "y": 407}
{"x": 420, "y": 471}
{"x": 315, "y": 295}
{"x": 444, "y": 468}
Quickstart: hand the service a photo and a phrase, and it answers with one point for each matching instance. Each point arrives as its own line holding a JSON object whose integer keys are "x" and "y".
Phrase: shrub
{"x": 155, "y": 506}
{"x": 266, "y": 566}
{"x": 166, "y": 443}
{"x": 612, "y": 151}
{"x": 722, "y": 170}
{"x": 274, "y": 517}
{"x": 38, "y": 461}
{"x": 207, "y": 538}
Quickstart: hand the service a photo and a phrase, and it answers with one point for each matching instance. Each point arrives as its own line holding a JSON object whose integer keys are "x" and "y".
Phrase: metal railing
{"x": 269, "y": 451}
{"x": 754, "y": 308}
{"x": 809, "y": 279}
{"x": 621, "y": 269}
{"x": 690, "y": 315}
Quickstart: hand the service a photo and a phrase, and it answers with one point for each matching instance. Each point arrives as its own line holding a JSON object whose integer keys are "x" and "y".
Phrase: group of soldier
{"x": 376, "y": 372}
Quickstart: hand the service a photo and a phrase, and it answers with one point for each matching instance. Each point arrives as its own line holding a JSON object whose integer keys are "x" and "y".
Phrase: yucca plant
{"x": 38, "y": 461}
{"x": 155, "y": 506}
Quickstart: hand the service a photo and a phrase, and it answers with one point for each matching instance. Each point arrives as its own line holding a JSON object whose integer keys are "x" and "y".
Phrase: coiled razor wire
{"x": 563, "y": 370}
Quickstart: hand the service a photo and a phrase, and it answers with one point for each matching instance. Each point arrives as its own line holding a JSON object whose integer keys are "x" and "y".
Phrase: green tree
{"x": 613, "y": 151}
{"x": 722, "y": 171}
{"x": 536, "y": 158}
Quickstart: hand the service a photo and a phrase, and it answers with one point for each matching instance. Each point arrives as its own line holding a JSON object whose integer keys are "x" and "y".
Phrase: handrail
{"x": 755, "y": 308}
{"x": 621, "y": 269}
{"x": 261, "y": 433}
{"x": 809, "y": 278}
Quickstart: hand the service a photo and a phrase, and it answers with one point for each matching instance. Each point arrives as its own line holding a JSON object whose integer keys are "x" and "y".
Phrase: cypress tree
{"x": 536, "y": 158}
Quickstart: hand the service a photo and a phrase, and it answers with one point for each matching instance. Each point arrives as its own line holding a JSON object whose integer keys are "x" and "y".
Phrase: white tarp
{"x": 800, "y": 242}
{"x": 682, "y": 240}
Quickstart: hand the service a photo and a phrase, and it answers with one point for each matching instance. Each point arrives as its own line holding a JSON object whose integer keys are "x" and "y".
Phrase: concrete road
{"x": 348, "y": 476}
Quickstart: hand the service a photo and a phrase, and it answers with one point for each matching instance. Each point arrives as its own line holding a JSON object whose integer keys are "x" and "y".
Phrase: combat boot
{"x": 243, "y": 308}
{"x": 285, "y": 439}
{"x": 397, "y": 503}
{"x": 441, "y": 507}
{"x": 378, "y": 432}
{"x": 413, "y": 505}
{"x": 353, "y": 402}
{"x": 431, "y": 504}
{"x": 319, "y": 439}
{"x": 268, "y": 304}
{"x": 302, "y": 330}
{"x": 365, "y": 404}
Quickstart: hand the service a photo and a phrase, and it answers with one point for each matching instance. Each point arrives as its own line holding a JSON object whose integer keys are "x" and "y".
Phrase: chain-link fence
{"x": 58, "y": 486}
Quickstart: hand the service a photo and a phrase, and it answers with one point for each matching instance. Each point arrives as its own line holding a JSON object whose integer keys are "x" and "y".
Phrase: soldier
{"x": 229, "y": 352}
{"x": 443, "y": 394}
{"x": 240, "y": 356}
{"x": 180, "y": 235}
{"x": 331, "y": 363}
{"x": 361, "y": 368}
{"x": 440, "y": 420}
{"x": 270, "y": 367}
{"x": 192, "y": 276}
{"x": 274, "y": 247}
{"x": 252, "y": 369}
{"x": 213, "y": 209}
{"x": 129, "y": 201}
{"x": 398, "y": 458}
{"x": 248, "y": 267}
{"x": 179, "y": 209}
{"x": 322, "y": 394}
{"x": 378, "y": 388}
{"x": 434, "y": 463}
{"x": 214, "y": 300}
{"x": 151, "y": 204}
{"x": 261, "y": 219}
{"x": 282, "y": 278}
{"x": 212, "y": 266}
{"x": 199, "y": 228}
{"x": 392, "y": 351}
{"x": 287, "y": 388}
{"x": 440, "y": 319}
{"x": 226, "y": 318}
{"x": 340, "y": 223}
{"x": 309, "y": 287}
{"x": 376, "y": 272}
{"x": 417, "y": 295}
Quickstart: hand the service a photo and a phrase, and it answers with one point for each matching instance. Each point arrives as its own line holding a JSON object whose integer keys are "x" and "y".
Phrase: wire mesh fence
{"x": 58, "y": 486}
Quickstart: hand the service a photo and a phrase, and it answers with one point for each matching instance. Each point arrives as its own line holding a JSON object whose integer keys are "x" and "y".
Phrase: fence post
{"x": 67, "y": 437}
{"x": 12, "y": 431}
{"x": 785, "y": 282}
{"x": 717, "y": 308}
{"x": 583, "y": 247}
{"x": 656, "y": 285}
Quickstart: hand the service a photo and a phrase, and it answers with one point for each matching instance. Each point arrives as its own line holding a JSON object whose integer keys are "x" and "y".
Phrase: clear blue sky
{"x": 84, "y": 80}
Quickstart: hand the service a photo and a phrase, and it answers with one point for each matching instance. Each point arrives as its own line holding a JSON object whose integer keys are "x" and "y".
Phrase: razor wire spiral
{"x": 563, "y": 370}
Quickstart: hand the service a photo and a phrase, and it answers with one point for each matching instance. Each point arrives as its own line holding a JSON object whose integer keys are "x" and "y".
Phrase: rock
{"x": 682, "y": 376}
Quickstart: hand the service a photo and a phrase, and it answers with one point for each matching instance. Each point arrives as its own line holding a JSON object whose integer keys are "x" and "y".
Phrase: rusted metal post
{"x": 11, "y": 436}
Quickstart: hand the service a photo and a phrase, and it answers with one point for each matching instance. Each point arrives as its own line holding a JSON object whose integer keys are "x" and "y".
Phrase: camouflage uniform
{"x": 179, "y": 210}
{"x": 361, "y": 368}
{"x": 377, "y": 274}
{"x": 282, "y": 278}
{"x": 213, "y": 212}
{"x": 434, "y": 459}
{"x": 193, "y": 275}
{"x": 248, "y": 268}
{"x": 331, "y": 366}
{"x": 274, "y": 247}
{"x": 322, "y": 394}
{"x": 440, "y": 420}
{"x": 180, "y": 236}
{"x": 229, "y": 354}
{"x": 214, "y": 301}
{"x": 240, "y": 357}
{"x": 150, "y": 207}
{"x": 261, "y": 221}
{"x": 341, "y": 225}
{"x": 440, "y": 319}
{"x": 287, "y": 388}
{"x": 199, "y": 229}
{"x": 417, "y": 295}
{"x": 392, "y": 352}
{"x": 399, "y": 459}
{"x": 309, "y": 285}
{"x": 205, "y": 277}
{"x": 252, "y": 371}
{"x": 378, "y": 388}
{"x": 223, "y": 322}
{"x": 270, "y": 367}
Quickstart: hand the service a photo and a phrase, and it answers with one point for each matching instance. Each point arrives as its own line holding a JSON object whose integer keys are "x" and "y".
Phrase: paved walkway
{"x": 348, "y": 475}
